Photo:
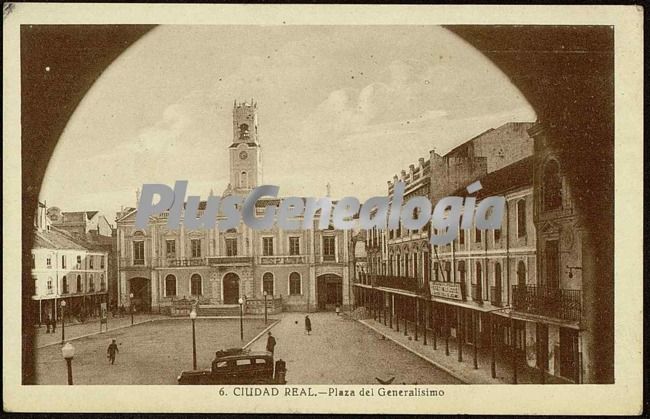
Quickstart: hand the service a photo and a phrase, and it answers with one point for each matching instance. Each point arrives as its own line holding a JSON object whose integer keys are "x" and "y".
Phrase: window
{"x": 90, "y": 261}
{"x": 91, "y": 283}
{"x": 196, "y": 287}
{"x": 62, "y": 261}
{"x": 79, "y": 284}
{"x": 49, "y": 285}
{"x": 170, "y": 286}
{"x": 170, "y": 248}
{"x": 33, "y": 261}
{"x": 521, "y": 274}
{"x": 267, "y": 246}
{"x": 295, "y": 284}
{"x": 101, "y": 262}
{"x": 102, "y": 282}
{"x": 78, "y": 262}
{"x": 521, "y": 218}
{"x": 447, "y": 271}
{"x": 461, "y": 236}
{"x": 65, "y": 285}
{"x": 294, "y": 246}
{"x": 231, "y": 247}
{"x": 477, "y": 235}
{"x": 138, "y": 253}
{"x": 48, "y": 261}
{"x": 243, "y": 180}
{"x": 329, "y": 247}
{"x": 196, "y": 248}
{"x": 552, "y": 186}
{"x": 267, "y": 283}
{"x": 244, "y": 362}
{"x": 436, "y": 273}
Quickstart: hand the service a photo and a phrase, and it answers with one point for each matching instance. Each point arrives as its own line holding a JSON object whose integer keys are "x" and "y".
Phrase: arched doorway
{"x": 141, "y": 290}
{"x": 231, "y": 288}
{"x": 329, "y": 291}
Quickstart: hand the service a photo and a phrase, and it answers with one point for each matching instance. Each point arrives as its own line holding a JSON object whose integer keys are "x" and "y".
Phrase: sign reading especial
{"x": 380, "y": 212}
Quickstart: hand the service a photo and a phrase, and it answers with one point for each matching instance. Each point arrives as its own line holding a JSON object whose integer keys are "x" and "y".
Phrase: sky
{"x": 346, "y": 105}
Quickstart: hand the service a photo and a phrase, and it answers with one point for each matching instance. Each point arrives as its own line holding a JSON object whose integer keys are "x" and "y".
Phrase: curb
{"x": 429, "y": 360}
{"x": 151, "y": 321}
{"x": 260, "y": 334}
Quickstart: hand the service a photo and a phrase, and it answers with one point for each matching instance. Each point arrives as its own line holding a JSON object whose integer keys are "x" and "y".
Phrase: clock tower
{"x": 245, "y": 150}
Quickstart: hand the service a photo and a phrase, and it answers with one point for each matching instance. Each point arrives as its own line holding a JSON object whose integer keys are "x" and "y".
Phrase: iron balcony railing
{"x": 179, "y": 262}
{"x": 550, "y": 302}
{"x": 230, "y": 260}
{"x": 398, "y": 282}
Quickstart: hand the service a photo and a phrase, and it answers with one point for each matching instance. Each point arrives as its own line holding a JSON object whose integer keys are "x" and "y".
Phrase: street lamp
{"x": 193, "y": 318}
{"x": 241, "y": 318}
{"x": 265, "y": 314}
{"x": 131, "y": 307}
{"x": 68, "y": 353}
{"x": 62, "y": 321}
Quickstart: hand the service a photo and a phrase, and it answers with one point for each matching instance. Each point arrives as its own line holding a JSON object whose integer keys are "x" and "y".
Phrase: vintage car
{"x": 238, "y": 366}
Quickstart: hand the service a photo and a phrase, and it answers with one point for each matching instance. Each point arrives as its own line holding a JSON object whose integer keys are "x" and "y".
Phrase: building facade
{"x": 64, "y": 269}
{"x": 301, "y": 269}
{"x": 514, "y": 293}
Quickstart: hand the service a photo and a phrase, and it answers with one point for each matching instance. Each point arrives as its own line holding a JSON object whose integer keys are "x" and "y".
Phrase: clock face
{"x": 243, "y": 155}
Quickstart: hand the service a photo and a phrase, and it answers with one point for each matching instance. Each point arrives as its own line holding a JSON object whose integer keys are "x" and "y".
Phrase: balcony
{"x": 549, "y": 302}
{"x": 398, "y": 282}
{"x": 282, "y": 260}
{"x": 230, "y": 260}
{"x": 129, "y": 262}
{"x": 181, "y": 262}
{"x": 495, "y": 296}
{"x": 329, "y": 258}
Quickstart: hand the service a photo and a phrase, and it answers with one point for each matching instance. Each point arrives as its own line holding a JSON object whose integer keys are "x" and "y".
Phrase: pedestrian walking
{"x": 48, "y": 322}
{"x": 307, "y": 325}
{"x": 112, "y": 350}
{"x": 270, "y": 344}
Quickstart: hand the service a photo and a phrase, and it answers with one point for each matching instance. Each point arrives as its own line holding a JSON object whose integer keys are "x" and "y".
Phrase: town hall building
{"x": 295, "y": 270}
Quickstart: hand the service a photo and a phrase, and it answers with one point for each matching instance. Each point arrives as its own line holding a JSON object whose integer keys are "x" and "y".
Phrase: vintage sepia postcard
{"x": 322, "y": 209}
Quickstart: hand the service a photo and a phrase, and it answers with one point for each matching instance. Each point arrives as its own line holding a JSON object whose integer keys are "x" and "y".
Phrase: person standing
{"x": 307, "y": 325}
{"x": 48, "y": 322}
{"x": 112, "y": 350}
{"x": 270, "y": 344}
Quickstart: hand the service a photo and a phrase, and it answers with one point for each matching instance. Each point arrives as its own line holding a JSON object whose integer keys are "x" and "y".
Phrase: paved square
{"x": 343, "y": 351}
{"x": 150, "y": 353}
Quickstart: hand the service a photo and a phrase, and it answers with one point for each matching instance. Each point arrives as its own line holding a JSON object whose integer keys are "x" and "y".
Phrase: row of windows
{"x": 268, "y": 284}
{"x": 78, "y": 265}
{"x": 90, "y": 287}
{"x": 442, "y": 272}
{"x": 329, "y": 247}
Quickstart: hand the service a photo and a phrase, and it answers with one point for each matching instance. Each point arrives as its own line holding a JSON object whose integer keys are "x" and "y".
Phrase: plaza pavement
{"x": 151, "y": 352}
{"x": 90, "y": 327}
{"x": 343, "y": 351}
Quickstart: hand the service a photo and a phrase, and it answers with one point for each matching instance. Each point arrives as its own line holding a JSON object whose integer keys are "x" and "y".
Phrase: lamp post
{"x": 193, "y": 318}
{"x": 131, "y": 307}
{"x": 265, "y": 312}
{"x": 62, "y": 321}
{"x": 68, "y": 353}
{"x": 241, "y": 318}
